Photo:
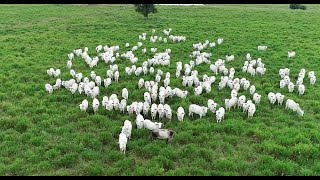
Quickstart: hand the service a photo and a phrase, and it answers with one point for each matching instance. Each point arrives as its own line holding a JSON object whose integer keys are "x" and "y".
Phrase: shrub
{"x": 297, "y": 6}
{"x": 294, "y": 6}
{"x": 303, "y": 7}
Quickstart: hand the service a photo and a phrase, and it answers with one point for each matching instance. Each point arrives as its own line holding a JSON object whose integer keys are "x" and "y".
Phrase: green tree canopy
{"x": 145, "y": 9}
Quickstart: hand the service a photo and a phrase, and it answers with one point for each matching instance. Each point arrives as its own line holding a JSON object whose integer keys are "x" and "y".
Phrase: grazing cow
{"x": 162, "y": 134}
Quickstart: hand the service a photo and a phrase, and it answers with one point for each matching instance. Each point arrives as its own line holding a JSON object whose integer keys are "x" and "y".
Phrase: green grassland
{"x": 42, "y": 134}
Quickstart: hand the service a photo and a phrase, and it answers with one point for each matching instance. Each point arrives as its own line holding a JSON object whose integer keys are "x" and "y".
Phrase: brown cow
{"x": 162, "y": 134}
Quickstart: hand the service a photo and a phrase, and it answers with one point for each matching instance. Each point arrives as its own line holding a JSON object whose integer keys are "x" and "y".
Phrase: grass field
{"x": 48, "y": 135}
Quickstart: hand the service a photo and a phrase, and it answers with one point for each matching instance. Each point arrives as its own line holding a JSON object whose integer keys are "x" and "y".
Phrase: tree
{"x": 145, "y": 9}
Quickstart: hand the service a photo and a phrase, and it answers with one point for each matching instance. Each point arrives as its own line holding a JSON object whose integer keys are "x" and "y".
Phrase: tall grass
{"x": 48, "y": 135}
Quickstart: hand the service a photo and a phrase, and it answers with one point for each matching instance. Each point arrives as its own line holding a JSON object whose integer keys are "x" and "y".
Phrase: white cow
{"x": 126, "y": 128}
{"x": 180, "y": 113}
{"x": 196, "y": 109}
{"x": 139, "y": 121}
{"x": 290, "y": 104}
{"x": 123, "y": 142}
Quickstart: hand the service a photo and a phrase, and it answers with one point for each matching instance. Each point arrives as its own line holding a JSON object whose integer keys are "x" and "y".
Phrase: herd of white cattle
{"x": 90, "y": 86}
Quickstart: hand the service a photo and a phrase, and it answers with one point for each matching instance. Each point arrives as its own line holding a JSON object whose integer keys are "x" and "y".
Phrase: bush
{"x": 297, "y": 6}
{"x": 294, "y": 6}
{"x": 303, "y": 7}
